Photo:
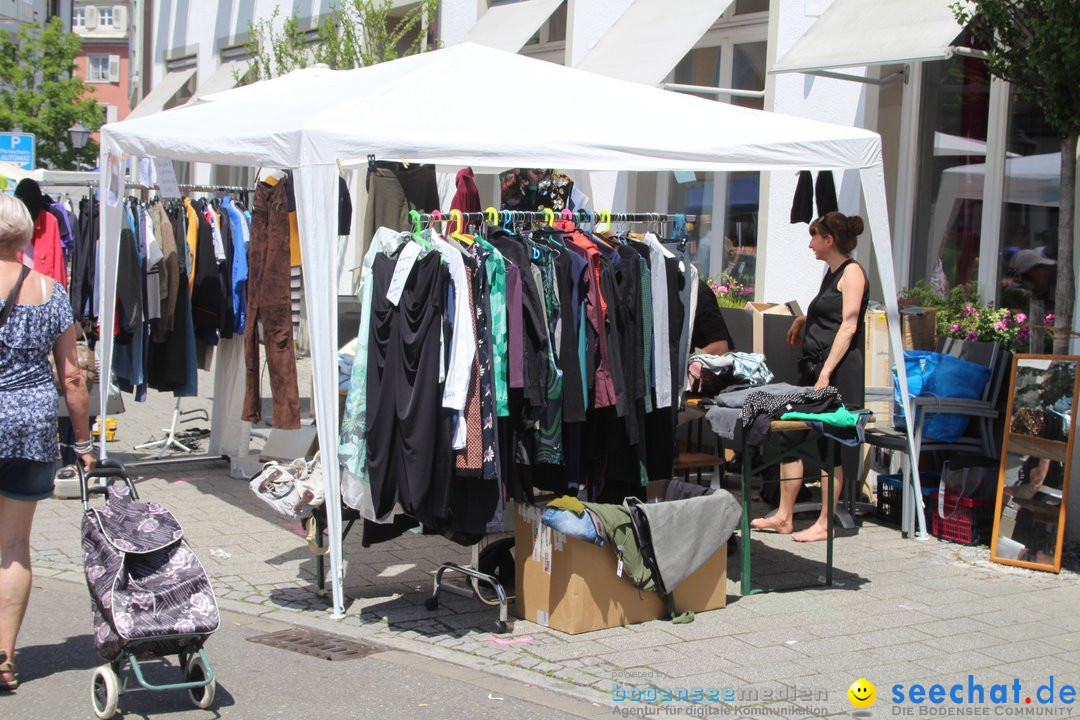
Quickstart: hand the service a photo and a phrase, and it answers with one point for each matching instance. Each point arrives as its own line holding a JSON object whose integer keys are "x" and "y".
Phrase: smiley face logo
{"x": 862, "y": 693}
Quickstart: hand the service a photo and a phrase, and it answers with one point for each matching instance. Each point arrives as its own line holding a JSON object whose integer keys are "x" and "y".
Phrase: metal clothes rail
{"x": 546, "y": 215}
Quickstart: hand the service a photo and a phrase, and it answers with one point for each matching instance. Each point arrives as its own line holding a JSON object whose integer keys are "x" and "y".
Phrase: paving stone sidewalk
{"x": 901, "y": 611}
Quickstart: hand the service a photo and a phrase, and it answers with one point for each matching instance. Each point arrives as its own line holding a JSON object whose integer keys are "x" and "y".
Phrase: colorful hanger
{"x": 456, "y": 233}
{"x": 549, "y": 216}
{"x": 418, "y": 230}
{"x": 492, "y": 215}
{"x": 605, "y": 220}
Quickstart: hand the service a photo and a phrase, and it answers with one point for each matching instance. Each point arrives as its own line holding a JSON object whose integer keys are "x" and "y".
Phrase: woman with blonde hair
{"x": 35, "y": 320}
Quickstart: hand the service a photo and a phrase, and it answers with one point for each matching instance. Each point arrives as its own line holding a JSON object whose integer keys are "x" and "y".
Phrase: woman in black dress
{"x": 831, "y": 336}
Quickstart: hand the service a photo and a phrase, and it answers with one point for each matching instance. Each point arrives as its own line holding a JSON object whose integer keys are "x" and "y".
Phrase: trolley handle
{"x": 110, "y": 471}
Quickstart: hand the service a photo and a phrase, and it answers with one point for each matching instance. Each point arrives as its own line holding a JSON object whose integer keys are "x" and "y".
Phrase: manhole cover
{"x": 317, "y": 644}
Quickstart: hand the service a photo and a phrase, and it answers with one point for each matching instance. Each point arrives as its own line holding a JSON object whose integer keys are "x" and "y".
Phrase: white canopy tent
{"x": 311, "y": 119}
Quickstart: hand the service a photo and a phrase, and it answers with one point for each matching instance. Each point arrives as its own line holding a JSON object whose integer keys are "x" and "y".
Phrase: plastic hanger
{"x": 567, "y": 214}
{"x": 605, "y": 220}
{"x": 435, "y": 217}
{"x": 418, "y": 230}
{"x": 456, "y": 233}
{"x": 549, "y": 216}
{"x": 491, "y": 215}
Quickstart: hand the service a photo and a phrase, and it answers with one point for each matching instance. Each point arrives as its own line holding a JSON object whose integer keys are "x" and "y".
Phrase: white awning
{"x": 224, "y": 78}
{"x": 651, "y": 37}
{"x": 851, "y": 33}
{"x": 162, "y": 93}
{"x": 509, "y": 27}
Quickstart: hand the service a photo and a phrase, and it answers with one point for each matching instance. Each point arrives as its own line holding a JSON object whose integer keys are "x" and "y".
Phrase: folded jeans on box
{"x": 587, "y": 526}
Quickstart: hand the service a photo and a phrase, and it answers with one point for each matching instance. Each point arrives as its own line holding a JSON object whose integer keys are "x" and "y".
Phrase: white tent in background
{"x": 49, "y": 177}
{"x": 1029, "y": 180}
{"x": 310, "y": 119}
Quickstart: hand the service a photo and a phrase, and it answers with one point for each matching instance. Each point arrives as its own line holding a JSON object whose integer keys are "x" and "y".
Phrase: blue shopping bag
{"x": 934, "y": 374}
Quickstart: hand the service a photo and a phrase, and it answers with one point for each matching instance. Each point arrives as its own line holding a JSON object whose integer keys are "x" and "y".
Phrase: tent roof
{"x": 429, "y": 108}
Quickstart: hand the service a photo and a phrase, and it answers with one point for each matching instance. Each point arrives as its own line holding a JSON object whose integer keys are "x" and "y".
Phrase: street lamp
{"x": 79, "y": 136}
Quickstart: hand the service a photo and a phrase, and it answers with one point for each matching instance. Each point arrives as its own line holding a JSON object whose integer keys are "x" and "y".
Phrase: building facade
{"x": 970, "y": 166}
{"x": 104, "y": 59}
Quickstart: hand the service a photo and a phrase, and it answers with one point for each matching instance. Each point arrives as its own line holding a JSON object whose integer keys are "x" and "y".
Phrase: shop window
{"x": 1031, "y": 194}
{"x": 951, "y": 175}
{"x": 724, "y": 239}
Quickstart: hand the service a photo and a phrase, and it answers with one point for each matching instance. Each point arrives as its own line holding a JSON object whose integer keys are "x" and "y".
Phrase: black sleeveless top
{"x": 826, "y": 314}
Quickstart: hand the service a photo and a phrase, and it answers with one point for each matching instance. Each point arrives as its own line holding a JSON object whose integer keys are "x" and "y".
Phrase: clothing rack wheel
{"x": 472, "y": 589}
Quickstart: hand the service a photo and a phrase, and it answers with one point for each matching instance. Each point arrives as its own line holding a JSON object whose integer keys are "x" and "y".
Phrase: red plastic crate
{"x": 967, "y": 520}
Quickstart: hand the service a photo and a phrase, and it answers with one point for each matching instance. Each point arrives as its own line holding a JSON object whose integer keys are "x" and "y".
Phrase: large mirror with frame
{"x": 1033, "y": 486}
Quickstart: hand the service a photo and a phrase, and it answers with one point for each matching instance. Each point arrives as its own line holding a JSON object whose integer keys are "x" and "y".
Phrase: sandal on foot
{"x": 8, "y": 667}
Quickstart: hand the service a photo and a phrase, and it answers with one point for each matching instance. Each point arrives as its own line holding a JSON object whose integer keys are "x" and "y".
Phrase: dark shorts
{"x": 27, "y": 480}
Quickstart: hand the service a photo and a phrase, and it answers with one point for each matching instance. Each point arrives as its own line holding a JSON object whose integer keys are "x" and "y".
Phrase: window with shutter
{"x": 105, "y": 17}
{"x": 91, "y": 18}
{"x": 114, "y": 68}
{"x": 97, "y": 68}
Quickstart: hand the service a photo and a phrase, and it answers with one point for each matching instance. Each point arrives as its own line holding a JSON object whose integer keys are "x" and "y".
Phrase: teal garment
{"x": 841, "y": 417}
{"x": 495, "y": 269}
{"x": 647, "y": 331}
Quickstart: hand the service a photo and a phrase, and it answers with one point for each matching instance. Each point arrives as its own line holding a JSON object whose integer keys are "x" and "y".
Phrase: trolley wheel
{"x": 500, "y": 627}
{"x": 104, "y": 691}
{"x": 196, "y": 671}
{"x": 432, "y": 603}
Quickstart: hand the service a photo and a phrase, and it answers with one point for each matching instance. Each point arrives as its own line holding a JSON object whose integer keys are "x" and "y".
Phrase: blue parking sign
{"x": 18, "y": 149}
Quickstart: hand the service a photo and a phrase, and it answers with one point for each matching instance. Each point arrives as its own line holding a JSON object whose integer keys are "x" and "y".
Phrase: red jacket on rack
{"x": 48, "y": 251}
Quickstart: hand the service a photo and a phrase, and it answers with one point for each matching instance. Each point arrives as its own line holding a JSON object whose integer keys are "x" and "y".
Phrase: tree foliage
{"x": 41, "y": 93}
{"x": 354, "y": 34}
{"x": 1035, "y": 45}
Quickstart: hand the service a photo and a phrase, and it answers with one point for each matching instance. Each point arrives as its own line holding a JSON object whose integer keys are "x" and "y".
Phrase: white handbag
{"x": 292, "y": 489}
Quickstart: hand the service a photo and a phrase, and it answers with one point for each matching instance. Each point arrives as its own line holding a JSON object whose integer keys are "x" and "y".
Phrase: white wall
{"x": 456, "y": 18}
{"x": 787, "y": 269}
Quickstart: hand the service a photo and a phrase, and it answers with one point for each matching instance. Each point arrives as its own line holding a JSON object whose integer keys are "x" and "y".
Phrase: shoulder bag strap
{"x": 9, "y": 302}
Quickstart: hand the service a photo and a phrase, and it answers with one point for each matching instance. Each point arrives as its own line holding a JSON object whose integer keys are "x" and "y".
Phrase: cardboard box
{"x": 770, "y": 314}
{"x": 570, "y": 585}
{"x": 877, "y": 356}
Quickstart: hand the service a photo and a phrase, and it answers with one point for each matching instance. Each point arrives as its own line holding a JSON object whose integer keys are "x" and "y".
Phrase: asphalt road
{"x": 56, "y": 655}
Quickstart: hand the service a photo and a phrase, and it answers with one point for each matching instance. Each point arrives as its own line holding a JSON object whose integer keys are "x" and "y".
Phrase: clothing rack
{"x": 190, "y": 187}
{"x": 474, "y": 578}
{"x": 575, "y": 215}
{"x": 170, "y": 440}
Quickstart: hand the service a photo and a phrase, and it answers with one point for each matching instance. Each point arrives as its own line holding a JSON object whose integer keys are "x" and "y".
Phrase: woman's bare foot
{"x": 814, "y": 533}
{"x": 775, "y": 523}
